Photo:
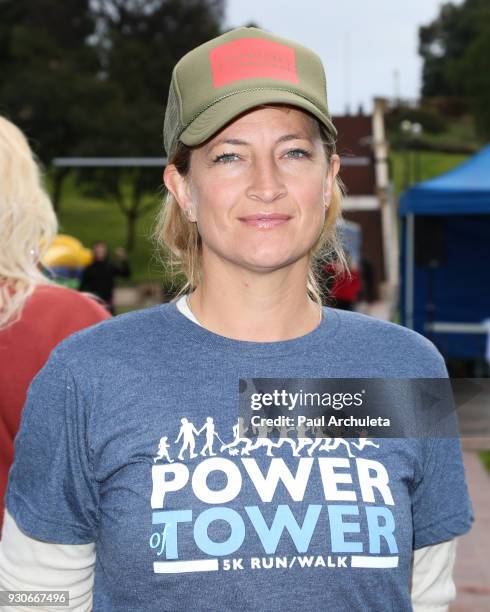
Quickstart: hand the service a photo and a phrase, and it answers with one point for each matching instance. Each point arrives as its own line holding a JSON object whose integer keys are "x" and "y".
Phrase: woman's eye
{"x": 224, "y": 158}
{"x": 301, "y": 153}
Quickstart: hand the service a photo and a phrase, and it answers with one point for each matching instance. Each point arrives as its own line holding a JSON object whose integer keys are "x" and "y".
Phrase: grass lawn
{"x": 431, "y": 165}
{"x": 485, "y": 457}
{"x": 90, "y": 218}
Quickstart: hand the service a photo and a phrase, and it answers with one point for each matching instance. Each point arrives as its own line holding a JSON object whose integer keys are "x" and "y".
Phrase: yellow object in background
{"x": 67, "y": 251}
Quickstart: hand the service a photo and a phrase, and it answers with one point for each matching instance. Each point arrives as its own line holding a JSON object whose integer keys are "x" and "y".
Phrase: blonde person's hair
{"x": 180, "y": 242}
{"x": 27, "y": 223}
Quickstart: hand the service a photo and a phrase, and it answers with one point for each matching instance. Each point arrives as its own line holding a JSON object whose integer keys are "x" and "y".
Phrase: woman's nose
{"x": 267, "y": 184}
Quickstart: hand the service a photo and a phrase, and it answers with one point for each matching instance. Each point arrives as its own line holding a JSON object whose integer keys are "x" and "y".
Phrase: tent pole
{"x": 410, "y": 259}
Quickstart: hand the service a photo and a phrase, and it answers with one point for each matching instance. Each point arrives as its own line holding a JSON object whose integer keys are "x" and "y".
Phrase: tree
{"x": 139, "y": 42}
{"x": 49, "y": 85}
{"x": 96, "y": 85}
{"x": 455, "y": 50}
{"x": 125, "y": 187}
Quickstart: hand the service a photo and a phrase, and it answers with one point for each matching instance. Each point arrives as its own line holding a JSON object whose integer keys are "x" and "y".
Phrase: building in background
{"x": 369, "y": 201}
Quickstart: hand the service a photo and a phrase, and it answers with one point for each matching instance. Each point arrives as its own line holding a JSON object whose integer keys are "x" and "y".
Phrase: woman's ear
{"x": 179, "y": 188}
{"x": 332, "y": 171}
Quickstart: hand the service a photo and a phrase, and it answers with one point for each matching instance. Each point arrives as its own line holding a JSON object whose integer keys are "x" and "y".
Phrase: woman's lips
{"x": 266, "y": 221}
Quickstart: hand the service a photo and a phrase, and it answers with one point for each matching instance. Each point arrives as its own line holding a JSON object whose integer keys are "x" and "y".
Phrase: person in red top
{"x": 35, "y": 314}
{"x": 343, "y": 287}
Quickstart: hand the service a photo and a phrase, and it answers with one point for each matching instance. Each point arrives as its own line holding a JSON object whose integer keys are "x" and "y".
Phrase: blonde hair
{"x": 180, "y": 241}
{"x": 27, "y": 223}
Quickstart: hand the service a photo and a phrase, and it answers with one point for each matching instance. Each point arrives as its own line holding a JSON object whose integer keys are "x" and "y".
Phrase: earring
{"x": 188, "y": 212}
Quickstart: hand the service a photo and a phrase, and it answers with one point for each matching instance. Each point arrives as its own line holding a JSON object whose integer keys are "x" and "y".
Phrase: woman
{"x": 35, "y": 314}
{"x": 152, "y": 469}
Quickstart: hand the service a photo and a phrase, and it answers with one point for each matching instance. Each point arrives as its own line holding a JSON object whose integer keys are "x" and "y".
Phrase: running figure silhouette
{"x": 238, "y": 437}
{"x": 163, "y": 450}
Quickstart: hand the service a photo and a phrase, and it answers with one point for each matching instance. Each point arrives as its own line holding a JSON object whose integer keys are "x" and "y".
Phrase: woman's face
{"x": 269, "y": 161}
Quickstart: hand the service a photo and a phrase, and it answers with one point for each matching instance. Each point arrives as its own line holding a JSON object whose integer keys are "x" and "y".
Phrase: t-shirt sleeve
{"x": 52, "y": 493}
{"x": 441, "y": 506}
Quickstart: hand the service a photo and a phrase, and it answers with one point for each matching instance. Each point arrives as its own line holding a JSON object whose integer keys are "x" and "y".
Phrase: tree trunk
{"x": 59, "y": 176}
{"x": 133, "y": 212}
{"x": 132, "y": 217}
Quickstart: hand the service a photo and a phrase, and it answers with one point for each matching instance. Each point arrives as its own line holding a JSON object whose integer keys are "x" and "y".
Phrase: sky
{"x": 368, "y": 47}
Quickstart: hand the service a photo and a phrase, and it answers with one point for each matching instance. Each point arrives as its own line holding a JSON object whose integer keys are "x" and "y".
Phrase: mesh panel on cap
{"x": 172, "y": 125}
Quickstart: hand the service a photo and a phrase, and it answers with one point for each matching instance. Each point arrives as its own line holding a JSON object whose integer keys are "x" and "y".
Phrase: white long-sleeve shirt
{"x": 30, "y": 564}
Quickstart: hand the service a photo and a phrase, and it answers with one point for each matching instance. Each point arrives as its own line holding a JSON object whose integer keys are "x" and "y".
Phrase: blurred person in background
{"x": 342, "y": 286}
{"x": 35, "y": 314}
{"x": 100, "y": 276}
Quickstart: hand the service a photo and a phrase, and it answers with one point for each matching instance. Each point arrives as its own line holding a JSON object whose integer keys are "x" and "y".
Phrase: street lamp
{"x": 417, "y": 130}
{"x": 411, "y": 132}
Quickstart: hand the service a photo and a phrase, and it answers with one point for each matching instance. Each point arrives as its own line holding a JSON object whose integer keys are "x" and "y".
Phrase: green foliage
{"x": 459, "y": 136}
{"x": 139, "y": 42}
{"x": 48, "y": 83}
{"x": 430, "y": 120}
{"x": 90, "y": 78}
{"x": 485, "y": 457}
{"x": 455, "y": 48}
{"x": 472, "y": 73}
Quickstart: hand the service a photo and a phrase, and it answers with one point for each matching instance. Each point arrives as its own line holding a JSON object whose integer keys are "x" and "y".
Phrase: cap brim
{"x": 222, "y": 112}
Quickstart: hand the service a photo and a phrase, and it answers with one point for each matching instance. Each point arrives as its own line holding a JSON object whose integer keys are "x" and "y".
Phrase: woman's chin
{"x": 261, "y": 257}
{"x": 268, "y": 262}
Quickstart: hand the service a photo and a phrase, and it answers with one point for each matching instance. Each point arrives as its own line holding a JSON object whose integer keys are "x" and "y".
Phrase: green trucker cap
{"x": 241, "y": 69}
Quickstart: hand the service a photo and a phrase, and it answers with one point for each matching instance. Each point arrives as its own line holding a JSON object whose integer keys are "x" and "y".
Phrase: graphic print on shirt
{"x": 350, "y": 490}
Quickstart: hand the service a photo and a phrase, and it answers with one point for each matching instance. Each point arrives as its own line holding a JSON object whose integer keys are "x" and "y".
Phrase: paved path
{"x": 145, "y": 295}
{"x": 472, "y": 571}
{"x": 379, "y": 309}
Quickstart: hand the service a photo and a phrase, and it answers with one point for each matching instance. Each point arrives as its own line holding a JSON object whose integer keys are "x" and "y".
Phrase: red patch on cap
{"x": 252, "y": 58}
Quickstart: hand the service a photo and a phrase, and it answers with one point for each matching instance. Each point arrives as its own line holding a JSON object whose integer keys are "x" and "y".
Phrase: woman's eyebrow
{"x": 237, "y": 141}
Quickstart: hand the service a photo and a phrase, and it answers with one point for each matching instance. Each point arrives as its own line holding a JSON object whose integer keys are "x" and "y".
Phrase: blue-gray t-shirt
{"x": 129, "y": 439}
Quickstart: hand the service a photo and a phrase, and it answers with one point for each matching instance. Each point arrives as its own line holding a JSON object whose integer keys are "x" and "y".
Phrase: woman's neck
{"x": 247, "y": 315}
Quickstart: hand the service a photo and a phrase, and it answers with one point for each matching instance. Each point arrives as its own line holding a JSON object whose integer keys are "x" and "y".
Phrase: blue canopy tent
{"x": 445, "y": 258}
